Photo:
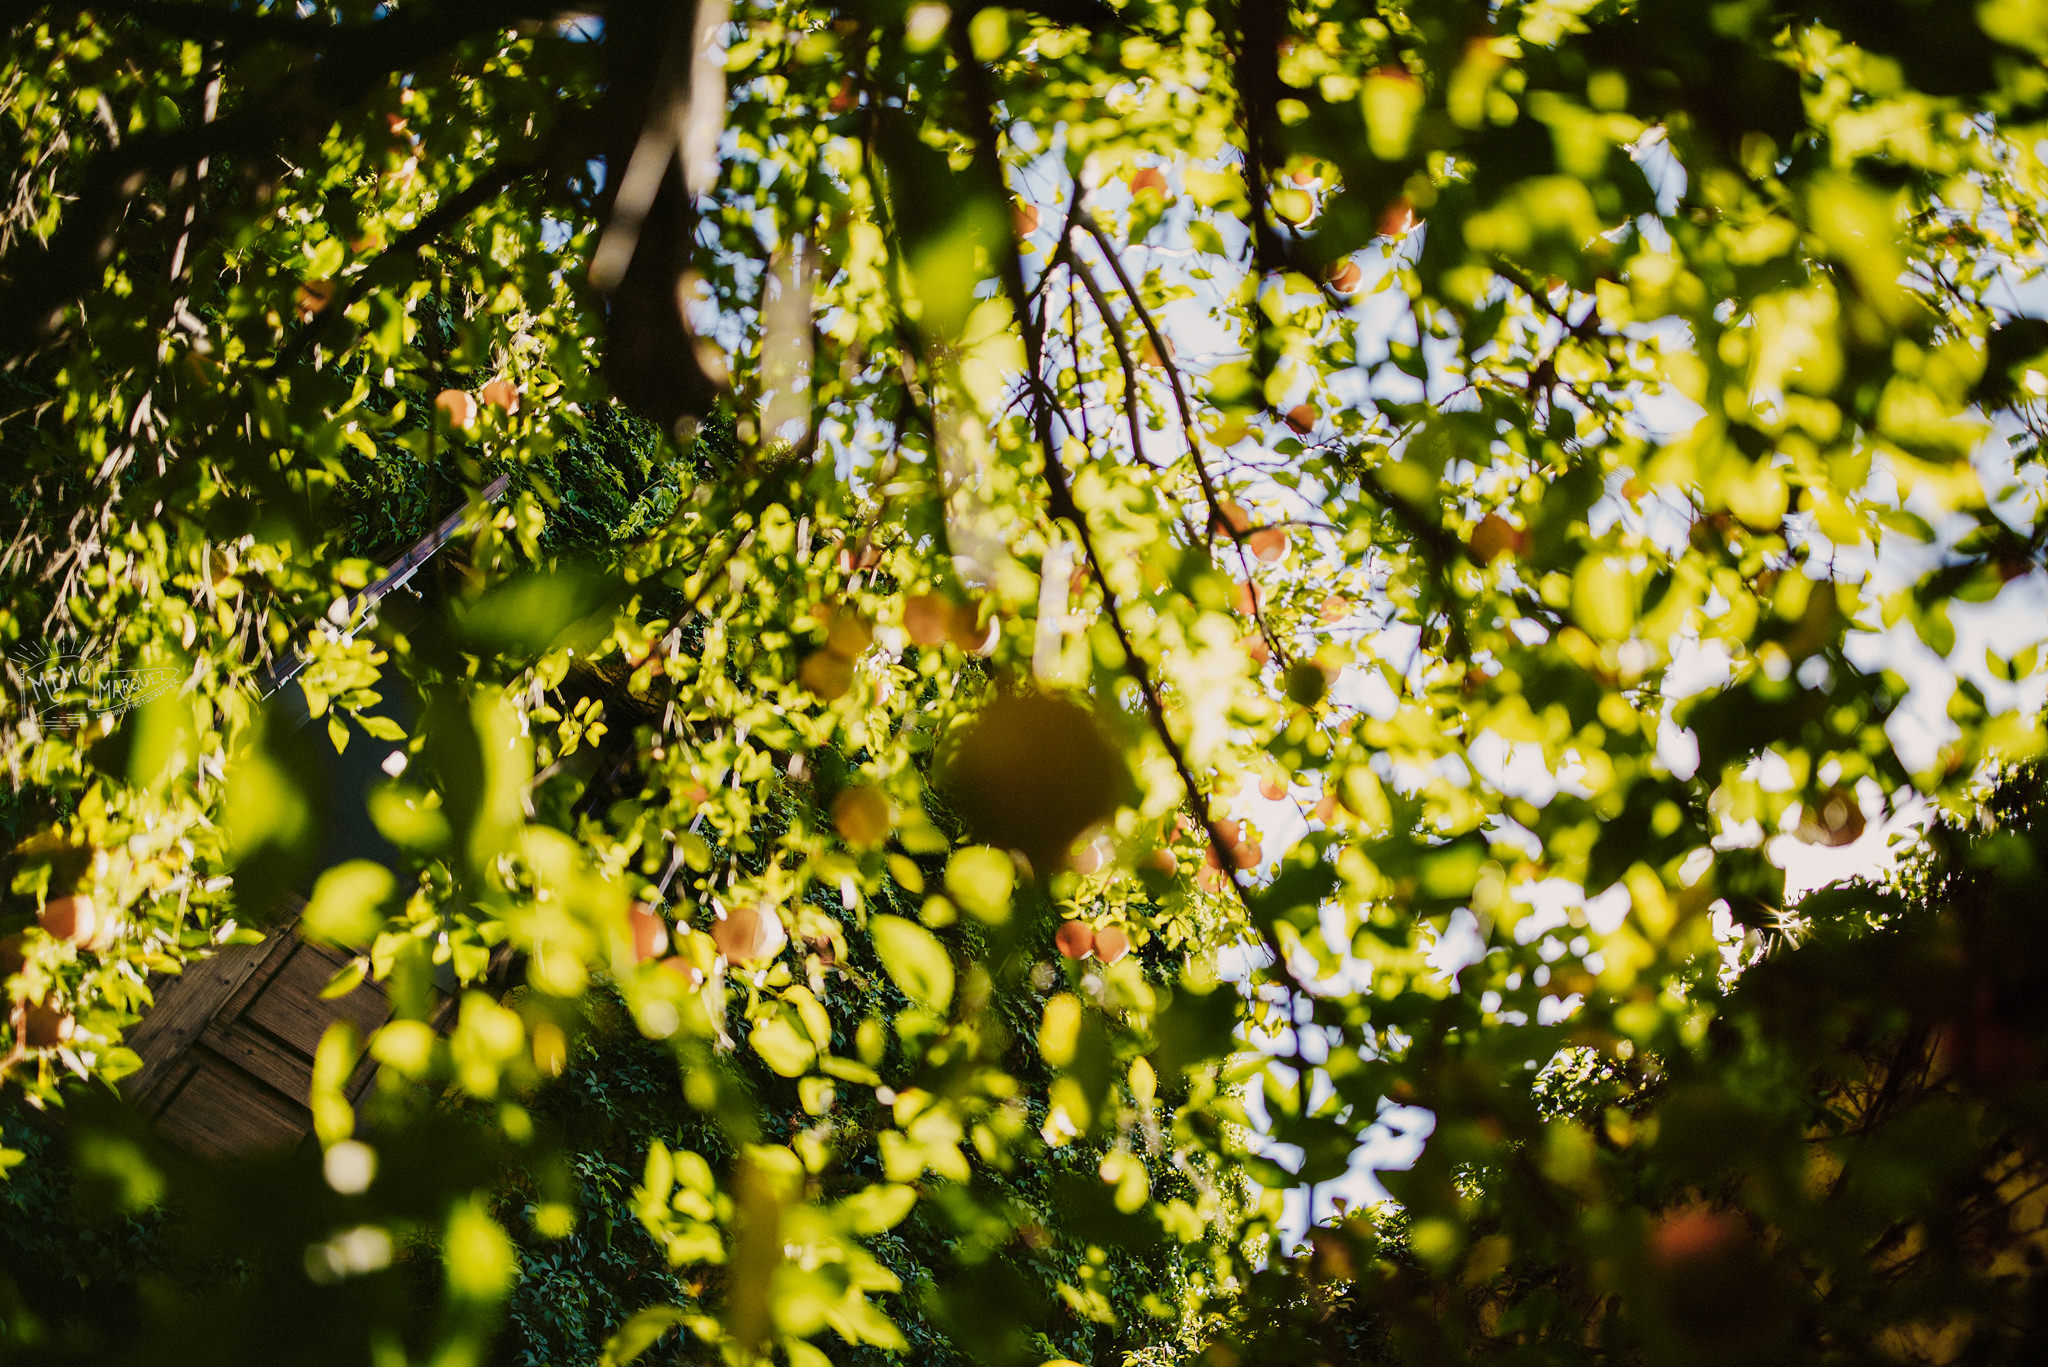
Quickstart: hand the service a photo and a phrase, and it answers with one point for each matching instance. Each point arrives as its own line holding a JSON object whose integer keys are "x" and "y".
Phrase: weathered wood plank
{"x": 222, "y": 1112}
{"x": 268, "y": 1060}
{"x": 184, "y": 1006}
{"x": 283, "y": 942}
{"x": 291, "y": 1008}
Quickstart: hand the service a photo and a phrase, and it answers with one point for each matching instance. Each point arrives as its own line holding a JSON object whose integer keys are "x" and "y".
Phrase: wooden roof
{"x": 228, "y": 1049}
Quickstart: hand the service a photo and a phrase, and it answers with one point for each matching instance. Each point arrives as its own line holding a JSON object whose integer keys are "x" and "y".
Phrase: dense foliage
{"x": 1386, "y": 519}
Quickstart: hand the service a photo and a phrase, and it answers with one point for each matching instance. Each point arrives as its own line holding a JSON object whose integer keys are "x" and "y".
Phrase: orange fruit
{"x": 849, "y": 634}
{"x": 1344, "y": 276}
{"x": 314, "y": 296}
{"x": 1834, "y": 819}
{"x": 650, "y": 932}
{"x": 1112, "y": 943}
{"x": 1026, "y": 218}
{"x": 1148, "y": 178}
{"x": 862, "y": 815}
{"x": 75, "y": 918}
{"x": 927, "y": 618}
{"x": 1691, "y": 1235}
{"x": 457, "y": 407}
{"x": 967, "y": 631}
{"x": 1268, "y": 544}
{"x": 1229, "y": 519}
{"x": 1303, "y": 418}
{"x": 1494, "y": 537}
{"x": 749, "y": 935}
{"x": 48, "y": 1026}
{"x": 502, "y": 395}
{"x": 1075, "y": 939}
{"x": 826, "y": 673}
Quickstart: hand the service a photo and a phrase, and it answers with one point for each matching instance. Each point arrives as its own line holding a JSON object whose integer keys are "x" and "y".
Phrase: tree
{"x": 1065, "y": 420}
{"x": 1844, "y": 1170}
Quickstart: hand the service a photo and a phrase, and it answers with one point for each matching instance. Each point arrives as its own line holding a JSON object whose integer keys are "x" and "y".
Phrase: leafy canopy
{"x": 958, "y": 457}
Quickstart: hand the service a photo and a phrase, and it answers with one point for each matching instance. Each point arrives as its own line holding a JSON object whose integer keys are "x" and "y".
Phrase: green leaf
{"x": 346, "y": 906}
{"x": 981, "y": 880}
{"x": 916, "y": 961}
{"x": 641, "y": 1331}
{"x": 477, "y": 1255}
{"x": 346, "y": 979}
{"x": 878, "y": 1209}
{"x": 782, "y": 1045}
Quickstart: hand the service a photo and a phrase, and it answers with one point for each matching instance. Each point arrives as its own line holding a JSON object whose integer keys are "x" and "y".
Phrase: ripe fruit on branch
{"x": 1229, "y": 520}
{"x": 78, "y": 919}
{"x": 1834, "y": 819}
{"x": 1399, "y": 219}
{"x": 1148, "y": 178}
{"x": 966, "y": 630}
{"x": 48, "y": 1026}
{"x": 848, "y": 633}
{"x": 502, "y": 395}
{"x": 749, "y": 935}
{"x": 457, "y": 407}
{"x": 862, "y": 815}
{"x": 1344, "y": 276}
{"x": 314, "y": 296}
{"x": 1026, "y": 218}
{"x": 1112, "y": 943}
{"x": 1494, "y": 537}
{"x": 1243, "y": 854}
{"x": 827, "y": 674}
{"x": 1302, "y": 418}
{"x": 650, "y": 932}
{"x": 927, "y": 618}
{"x": 1075, "y": 939}
{"x": 1268, "y": 544}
